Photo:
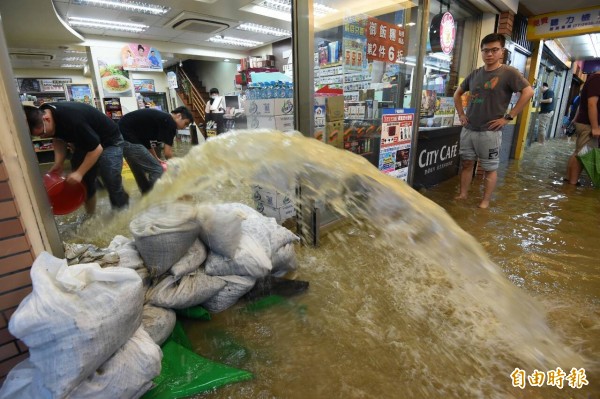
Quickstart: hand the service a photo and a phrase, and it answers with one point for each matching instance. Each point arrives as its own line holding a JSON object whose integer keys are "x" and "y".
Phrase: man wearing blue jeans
{"x": 546, "y": 112}
{"x": 145, "y": 129}
{"x": 98, "y": 147}
{"x": 490, "y": 88}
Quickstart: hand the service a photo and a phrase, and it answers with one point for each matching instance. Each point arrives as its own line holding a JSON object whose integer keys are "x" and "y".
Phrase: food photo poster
{"x": 111, "y": 76}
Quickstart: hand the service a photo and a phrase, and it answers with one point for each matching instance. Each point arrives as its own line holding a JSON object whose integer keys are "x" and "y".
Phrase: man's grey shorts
{"x": 483, "y": 146}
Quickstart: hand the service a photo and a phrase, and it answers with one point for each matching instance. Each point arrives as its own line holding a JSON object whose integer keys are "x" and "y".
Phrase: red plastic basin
{"x": 64, "y": 197}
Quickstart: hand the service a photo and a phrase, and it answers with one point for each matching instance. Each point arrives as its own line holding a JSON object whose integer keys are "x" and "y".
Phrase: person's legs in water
{"x": 468, "y": 157}
{"x": 145, "y": 168}
{"x": 583, "y": 138}
{"x": 110, "y": 166}
{"x": 487, "y": 146}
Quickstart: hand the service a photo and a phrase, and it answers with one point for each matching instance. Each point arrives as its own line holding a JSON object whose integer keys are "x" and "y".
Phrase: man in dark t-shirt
{"x": 143, "y": 130}
{"x": 97, "y": 146}
{"x": 546, "y": 112}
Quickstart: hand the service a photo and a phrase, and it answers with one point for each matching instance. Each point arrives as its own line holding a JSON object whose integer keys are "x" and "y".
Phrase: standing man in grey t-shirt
{"x": 546, "y": 112}
{"x": 490, "y": 88}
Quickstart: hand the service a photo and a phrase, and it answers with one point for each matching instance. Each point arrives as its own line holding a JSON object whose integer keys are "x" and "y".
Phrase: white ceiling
{"x": 44, "y": 31}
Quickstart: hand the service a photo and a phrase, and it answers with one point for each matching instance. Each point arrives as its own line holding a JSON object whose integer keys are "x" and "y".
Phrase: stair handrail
{"x": 197, "y": 101}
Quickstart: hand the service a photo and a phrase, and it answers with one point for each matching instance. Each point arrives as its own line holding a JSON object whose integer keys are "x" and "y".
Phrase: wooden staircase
{"x": 193, "y": 95}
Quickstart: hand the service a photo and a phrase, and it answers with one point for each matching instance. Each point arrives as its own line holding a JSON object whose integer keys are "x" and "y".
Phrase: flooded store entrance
{"x": 402, "y": 302}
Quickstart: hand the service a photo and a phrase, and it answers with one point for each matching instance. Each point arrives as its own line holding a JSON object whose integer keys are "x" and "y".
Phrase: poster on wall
{"x": 140, "y": 57}
{"x": 114, "y": 80}
{"x": 143, "y": 85}
{"x": 396, "y": 135}
{"x": 53, "y": 85}
{"x": 79, "y": 92}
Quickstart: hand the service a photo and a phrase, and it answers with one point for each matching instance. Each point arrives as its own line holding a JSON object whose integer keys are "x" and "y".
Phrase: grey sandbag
{"x": 164, "y": 233}
{"x": 180, "y": 293}
{"x": 191, "y": 261}
{"x": 127, "y": 374}
{"x": 129, "y": 256}
{"x": 236, "y": 287}
{"x": 158, "y": 322}
{"x": 76, "y": 318}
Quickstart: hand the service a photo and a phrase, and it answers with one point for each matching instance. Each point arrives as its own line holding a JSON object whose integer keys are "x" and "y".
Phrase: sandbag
{"x": 164, "y": 233}
{"x": 24, "y": 381}
{"x": 191, "y": 261}
{"x": 284, "y": 260}
{"x": 129, "y": 257}
{"x": 75, "y": 318}
{"x": 158, "y": 322}
{"x": 127, "y": 374}
{"x": 187, "y": 291}
{"x": 236, "y": 287}
{"x": 220, "y": 228}
{"x": 249, "y": 260}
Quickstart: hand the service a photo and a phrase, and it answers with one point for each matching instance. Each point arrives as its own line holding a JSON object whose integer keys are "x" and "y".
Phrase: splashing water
{"x": 402, "y": 302}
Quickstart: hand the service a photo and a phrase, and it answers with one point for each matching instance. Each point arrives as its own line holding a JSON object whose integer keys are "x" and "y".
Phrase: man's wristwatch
{"x": 508, "y": 117}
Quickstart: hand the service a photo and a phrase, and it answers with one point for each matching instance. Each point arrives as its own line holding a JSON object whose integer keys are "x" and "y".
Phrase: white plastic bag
{"x": 75, "y": 318}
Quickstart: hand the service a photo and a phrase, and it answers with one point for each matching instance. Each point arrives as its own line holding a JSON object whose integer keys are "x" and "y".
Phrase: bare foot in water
{"x": 460, "y": 197}
{"x": 484, "y": 204}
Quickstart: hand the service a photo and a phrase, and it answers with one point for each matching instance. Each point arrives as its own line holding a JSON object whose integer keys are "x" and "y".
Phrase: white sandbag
{"x": 158, "y": 322}
{"x": 24, "y": 381}
{"x": 220, "y": 228}
{"x": 284, "y": 260}
{"x": 164, "y": 233}
{"x": 127, "y": 374}
{"x": 128, "y": 255}
{"x": 250, "y": 259}
{"x": 236, "y": 287}
{"x": 75, "y": 318}
{"x": 191, "y": 261}
{"x": 187, "y": 291}
{"x": 248, "y": 212}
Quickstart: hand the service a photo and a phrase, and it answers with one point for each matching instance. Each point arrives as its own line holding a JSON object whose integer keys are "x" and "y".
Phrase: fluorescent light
{"x": 411, "y": 24}
{"x": 106, "y": 24}
{"x": 266, "y": 30}
{"x": 234, "y": 41}
{"x": 282, "y": 9}
{"x": 226, "y": 60}
{"x": 127, "y": 5}
{"x": 71, "y": 66}
{"x": 80, "y": 59}
{"x": 75, "y": 52}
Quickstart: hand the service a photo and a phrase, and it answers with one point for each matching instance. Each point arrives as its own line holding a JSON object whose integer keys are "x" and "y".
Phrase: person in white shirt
{"x": 215, "y": 108}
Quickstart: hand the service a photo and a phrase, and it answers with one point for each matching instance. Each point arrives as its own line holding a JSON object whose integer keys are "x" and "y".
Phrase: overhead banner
{"x": 564, "y": 23}
{"x": 385, "y": 41}
{"x": 396, "y": 135}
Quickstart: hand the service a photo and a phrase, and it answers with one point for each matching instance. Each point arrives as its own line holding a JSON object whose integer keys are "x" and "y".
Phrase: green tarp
{"x": 591, "y": 164}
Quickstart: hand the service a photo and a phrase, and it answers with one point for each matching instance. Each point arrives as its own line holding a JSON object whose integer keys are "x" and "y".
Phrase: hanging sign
{"x": 563, "y": 23}
{"x": 396, "y": 135}
{"x": 385, "y": 41}
{"x": 442, "y": 33}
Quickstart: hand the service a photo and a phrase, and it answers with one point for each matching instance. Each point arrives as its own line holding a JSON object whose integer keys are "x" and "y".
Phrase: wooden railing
{"x": 195, "y": 100}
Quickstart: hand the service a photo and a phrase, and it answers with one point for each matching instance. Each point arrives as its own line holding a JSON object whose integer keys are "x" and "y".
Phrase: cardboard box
{"x": 280, "y": 214}
{"x": 334, "y": 107}
{"x": 272, "y": 198}
{"x": 320, "y": 134}
{"x": 283, "y": 106}
{"x": 261, "y": 122}
{"x": 334, "y": 132}
{"x": 284, "y": 123}
{"x": 261, "y": 107}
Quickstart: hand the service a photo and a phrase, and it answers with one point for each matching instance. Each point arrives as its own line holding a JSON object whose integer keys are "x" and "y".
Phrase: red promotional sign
{"x": 385, "y": 41}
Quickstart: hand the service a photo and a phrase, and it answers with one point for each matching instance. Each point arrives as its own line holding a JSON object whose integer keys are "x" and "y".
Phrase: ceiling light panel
{"x": 265, "y": 30}
{"x": 106, "y": 24}
{"x": 234, "y": 41}
{"x": 134, "y": 6}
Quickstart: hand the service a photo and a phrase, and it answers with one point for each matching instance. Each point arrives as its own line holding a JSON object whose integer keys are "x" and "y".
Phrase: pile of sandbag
{"x": 82, "y": 324}
{"x": 94, "y": 331}
{"x": 209, "y": 255}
